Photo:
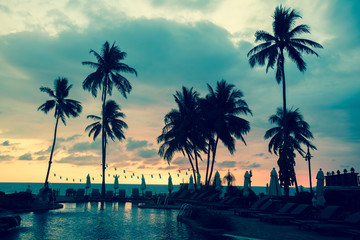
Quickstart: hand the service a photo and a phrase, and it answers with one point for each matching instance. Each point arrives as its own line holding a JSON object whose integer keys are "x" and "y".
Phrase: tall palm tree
{"x": 64, "y": 107}
{"x": 221, "y": 109}
{"x": 229, "y": 178}
{"x": 285, "y": 38}
{"x": 182, "y": 130}
{"x": 110, "y": 126}
{"x": 107, "y": 74}
{"x": 290, "y": 133}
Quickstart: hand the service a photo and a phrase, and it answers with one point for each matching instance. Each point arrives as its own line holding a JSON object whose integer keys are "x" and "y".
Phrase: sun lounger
{"x": 109, "y": 195}
{"x": 80, "y": 195}
{"x": 254, "y": 206}
{"x": 95, "y": 195}
{"x": 302, "y": 211}
{"x": 325, "y": 215}
{"x": 338, "y": 227}
{"x": 148, "y": 194}
{"x": 122, "y": 193}
{"x": 266, "y": 207}
{"x": 135, "y": 193}
{"x": 284, "y": 210}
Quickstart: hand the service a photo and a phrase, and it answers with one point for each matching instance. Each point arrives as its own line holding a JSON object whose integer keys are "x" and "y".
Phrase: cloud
{"x": 86, "y": 146}
{"x": 43, "y": 152}
{"x": 5, "y": 158}
{"x": 227, "y": 164}
{"x": 254, "y": 165}
{"x": 167, "y": 168}
{"x": 69, "y": 139}
{"x": 248, "y": 165}
{"x": 147, "y": 153}
{"x": 41, "y": 158}
{"x": 186, "y": 4}
{"x": 134, "y": 144}
{"x": 26, "y": 156}
{"x": 259, "y": 154}
{"x": 86, "y": 160}
{"x": 180, "y": 161}
{"x": 6, "y": 143}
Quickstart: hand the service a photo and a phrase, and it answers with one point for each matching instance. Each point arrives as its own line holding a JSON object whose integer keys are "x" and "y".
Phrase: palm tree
{"x": 64, "y": 107}
{"x": 290, "y": 133}
{"x": 229, "y": 178}
{"x": 182, "y": 130}
{"x": 107, "y": 74}
{"x": 220, "y": 109}
{"x": 111, "y": 126}
{"x": 284, "y": 39}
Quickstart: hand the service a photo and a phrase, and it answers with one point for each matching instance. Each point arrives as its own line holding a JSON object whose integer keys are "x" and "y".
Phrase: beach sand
{"x": 253, "y": 228}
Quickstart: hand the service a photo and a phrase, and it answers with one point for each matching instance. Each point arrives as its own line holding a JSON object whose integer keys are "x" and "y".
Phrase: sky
{"x": 171, "y": 44}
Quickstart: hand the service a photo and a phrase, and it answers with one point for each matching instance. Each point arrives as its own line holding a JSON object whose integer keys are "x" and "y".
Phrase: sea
{"x": 11, "y": 187}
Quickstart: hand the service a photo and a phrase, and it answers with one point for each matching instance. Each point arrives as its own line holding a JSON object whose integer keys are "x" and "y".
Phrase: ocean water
{"x": 88, "y": 221}
{"x": 35, "y": 187}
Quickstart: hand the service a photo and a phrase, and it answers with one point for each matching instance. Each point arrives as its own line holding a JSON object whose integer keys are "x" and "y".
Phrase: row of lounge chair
{"x": 95, "y": 195}
{"x": 328, "y": 220}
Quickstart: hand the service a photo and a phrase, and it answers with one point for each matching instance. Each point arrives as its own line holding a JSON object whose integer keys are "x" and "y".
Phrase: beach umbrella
{"x": 198, "y": 180}
{"x": 191, "y": 184}
{"x": 116, "y": 182}
{"x": 246, "y": 184}
{"x": 88, "y": 183}
{"x": 170, "y": 185}
{"x": 143, "y": 184}
{"x": 320, "y": 200}
{"x": 274, "y": 188}
{"x": 217, "y": 180}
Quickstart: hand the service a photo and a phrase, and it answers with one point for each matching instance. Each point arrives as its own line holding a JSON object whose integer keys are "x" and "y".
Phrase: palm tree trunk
{"x": 46, "y": 185}
{"x": 311, "y": 191}
{"x": 283, "y": 80}
{"x": 196, "y": 160}
{"x": 103, "y": 142}
{"x": 213, "y": 157}
{"x": 284, "y": 105}
{"x": 207, "y": 181}
{"x": 192, "y": 167}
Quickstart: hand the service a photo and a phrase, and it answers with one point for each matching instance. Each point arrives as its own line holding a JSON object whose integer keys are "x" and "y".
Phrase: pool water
{"x": 96, "y": 221}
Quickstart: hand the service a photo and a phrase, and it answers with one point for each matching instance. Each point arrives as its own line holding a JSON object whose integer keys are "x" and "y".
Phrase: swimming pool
{"x": 91, "y": 221}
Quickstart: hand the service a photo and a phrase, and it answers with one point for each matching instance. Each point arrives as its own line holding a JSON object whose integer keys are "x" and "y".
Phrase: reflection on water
{"x": 96, "y": 221}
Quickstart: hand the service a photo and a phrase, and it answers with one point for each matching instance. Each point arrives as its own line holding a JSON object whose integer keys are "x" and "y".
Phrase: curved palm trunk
{"x": 283, "y": 80}
{"x": 311, "y": 191}
{"x": 46, "y": 185}
{"x": 285, "y": 110}
{"x": 196, "y": 160}
{"x": 103, "y": 142}
{"x": 213, "y": 157}
{"x": 207, "y": 181}
{"x": 192, "y": 167}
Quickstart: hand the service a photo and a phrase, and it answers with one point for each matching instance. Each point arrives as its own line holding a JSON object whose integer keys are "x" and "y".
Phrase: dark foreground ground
{"x": 253, "y": 228}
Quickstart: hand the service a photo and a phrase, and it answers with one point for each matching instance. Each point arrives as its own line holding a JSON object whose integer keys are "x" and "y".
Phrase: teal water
{"x": 35, "y": 187}
{"x": 90, "y": 221}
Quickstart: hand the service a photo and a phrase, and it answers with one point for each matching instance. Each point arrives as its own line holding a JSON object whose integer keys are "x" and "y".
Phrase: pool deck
{"x": 247, "y": 228}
